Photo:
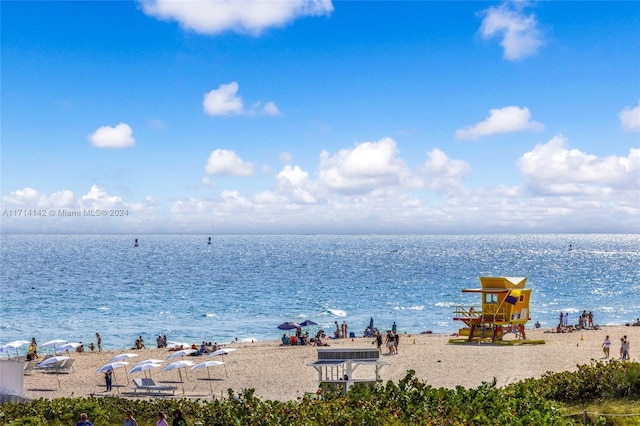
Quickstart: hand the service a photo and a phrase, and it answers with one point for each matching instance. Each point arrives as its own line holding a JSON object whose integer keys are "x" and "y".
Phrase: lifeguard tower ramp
{"x": 336, "y": 367}
{"x": 504, "y": 309}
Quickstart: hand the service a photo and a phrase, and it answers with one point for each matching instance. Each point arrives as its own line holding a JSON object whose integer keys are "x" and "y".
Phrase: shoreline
{"x": 281, "y": 372}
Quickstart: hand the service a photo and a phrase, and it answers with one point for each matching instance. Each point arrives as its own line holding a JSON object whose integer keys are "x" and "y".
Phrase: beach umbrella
{"x": 112, "y": 366}
{"x": 13, "y": 345}
{"x": 122, "y": 356}
{"x": 306, "y": 323}
{"x": 55, "y": 343}
{"x": 222, "y": 352}
{"x": 67, "y": 347}
{"x": 206, "y": 365}
{"x": 183, "y": 352}
{"x": 143, "y": 367}
{"x": 179, "y": 365}
{"x": 288, "y": 325}
{"x": 150, "y": 361}
{"x": 53, "y": 360}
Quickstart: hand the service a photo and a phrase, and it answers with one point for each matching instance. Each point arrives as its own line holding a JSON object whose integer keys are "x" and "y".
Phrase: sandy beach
{"x": 282, "y": 373}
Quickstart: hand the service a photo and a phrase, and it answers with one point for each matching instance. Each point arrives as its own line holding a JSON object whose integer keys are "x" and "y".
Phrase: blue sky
{"x": 219, "y": 117}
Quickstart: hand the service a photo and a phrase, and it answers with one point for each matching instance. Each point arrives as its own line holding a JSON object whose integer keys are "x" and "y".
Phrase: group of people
{"x": 585, "y": 321}
{"x": 391, "y": 340}
{"x": 624, "y": 348}
{"x": 161, "y": 341}
{"x": 341, "y": 330}
{"x": 161, "y": 419}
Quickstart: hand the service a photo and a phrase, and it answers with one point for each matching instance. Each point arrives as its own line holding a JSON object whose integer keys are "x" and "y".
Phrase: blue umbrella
{"x": 306, "y": 323}
{"x": 288, "y": 326}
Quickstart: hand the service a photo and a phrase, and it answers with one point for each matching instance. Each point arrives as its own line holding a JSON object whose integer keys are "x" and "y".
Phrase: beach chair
{"x": 54, "y": 367}
{"x": 148, "y": 386}
{"x": 67, "y": 366}
{"x": 29, "y": 367}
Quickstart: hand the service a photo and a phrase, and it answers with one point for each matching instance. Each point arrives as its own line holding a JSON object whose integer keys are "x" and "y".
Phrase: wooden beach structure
{"x": 504, "y": 309}
{"x": 336, "y": 367}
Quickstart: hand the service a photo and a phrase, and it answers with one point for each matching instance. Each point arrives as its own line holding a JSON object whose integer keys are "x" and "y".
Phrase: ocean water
{"x": 243, "y": 287}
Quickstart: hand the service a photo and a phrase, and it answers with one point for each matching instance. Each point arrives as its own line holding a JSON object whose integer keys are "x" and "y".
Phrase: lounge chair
{"x": 67, "y": 366}
{"x": 29, "y": 367}
{"x": 54, "y": 367}
{"x": 148, "y": 386}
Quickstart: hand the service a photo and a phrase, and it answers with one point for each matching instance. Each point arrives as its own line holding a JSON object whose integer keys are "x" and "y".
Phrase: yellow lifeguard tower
{"x": 505, "y": 308}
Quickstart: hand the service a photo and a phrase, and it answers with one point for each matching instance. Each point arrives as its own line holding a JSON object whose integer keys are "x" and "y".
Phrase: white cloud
{"x": 294, "y": 183}
{"x": 552, "y": 168}
{"x": 27, "y": 197}
{"x": 270, "y": 109}
{"x": 443, "y": 172}
{"x": 369, "y": 188}
{"x": 242, "y": 16}
{"x": 630, "y": 118}
{"x": 520, "y": 34}
{"x": 370, "y": 165}
{"x": 228, "y": 163}
{"x": 98, "y": 198}
{"x": 504, "y": 120}
{"x": 225, "y": 101}
{"x": 120, "y": 136}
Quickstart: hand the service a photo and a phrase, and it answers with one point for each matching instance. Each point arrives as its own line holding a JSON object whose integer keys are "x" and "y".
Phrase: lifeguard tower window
{"x": 490, "y": 298}
{"x": 522, "y": 298}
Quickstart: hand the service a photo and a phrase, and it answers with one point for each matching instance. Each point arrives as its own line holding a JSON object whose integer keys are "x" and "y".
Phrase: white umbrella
{"x": 122, "y": 356}
{"x": 206, "y": 365}
{"x": 54, "y": 343}
{"x": 150, "y": 361}
{"x": 113, "y": 366}
{"x": 183, "y": 352}
{"x": 67, "y": 347}
{"x": 53, "y": 360}
{"x": 13, "y": 345}
{"x": 143, "y": 367}
{"x": 178, "y": 365}
{"x": 222, "y": 352}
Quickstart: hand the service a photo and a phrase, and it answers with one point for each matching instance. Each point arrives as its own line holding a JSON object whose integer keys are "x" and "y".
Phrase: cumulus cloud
{"x": 368, "y": 166}
{"x": 553, "y": 168}
{"x": 630, "y": 118}
{"x": 444, "y": 173}
{"x": 227, "y": 163}
{"x": 504, "y": 120}
{"x": 519, "y": 31}
{"x": 27, "y": 197}
{"x": 225, "y": 101}
{"x": 241, "y": 16}
{"x": 120, "y": 136}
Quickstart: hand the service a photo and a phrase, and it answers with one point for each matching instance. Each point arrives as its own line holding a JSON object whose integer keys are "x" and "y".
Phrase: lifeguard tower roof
{"x": 498, "y": 285}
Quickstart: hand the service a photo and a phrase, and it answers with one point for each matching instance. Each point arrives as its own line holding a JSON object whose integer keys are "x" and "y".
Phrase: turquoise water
{"x": 71, "y": 287}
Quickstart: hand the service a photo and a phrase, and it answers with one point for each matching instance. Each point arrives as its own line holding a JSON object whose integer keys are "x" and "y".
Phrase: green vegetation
{"x": 611, "y": 388}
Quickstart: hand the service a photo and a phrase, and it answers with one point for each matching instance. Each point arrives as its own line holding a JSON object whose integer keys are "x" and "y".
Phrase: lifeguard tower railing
{"x": 477, "y": 316}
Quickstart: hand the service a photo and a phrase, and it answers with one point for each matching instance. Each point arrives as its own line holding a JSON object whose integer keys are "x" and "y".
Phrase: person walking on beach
{"x": 129, "y": 420}
{"x": 378, "y": 341}
{"x": 84, "y": 420}
{"x": 390, "y": 341}
{"x": 108, "y": 375}
{"x": 178, "y": 420}
{"x": 606, "y": 345}
{"x": 624, "y": 348}
{"x": 161, "y": 420}
{"x": 99, "y": 342}
{"x": 396, "y": 338}
{"x": 565, "y": 320}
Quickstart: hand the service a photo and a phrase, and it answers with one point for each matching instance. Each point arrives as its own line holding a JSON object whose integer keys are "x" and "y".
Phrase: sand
{"x": 281, "y": 373}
